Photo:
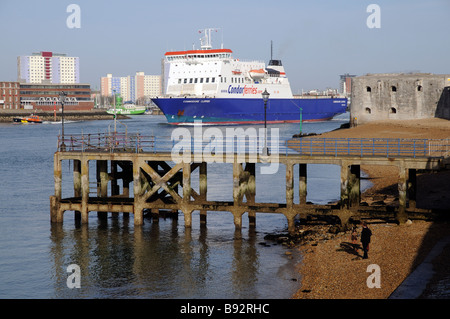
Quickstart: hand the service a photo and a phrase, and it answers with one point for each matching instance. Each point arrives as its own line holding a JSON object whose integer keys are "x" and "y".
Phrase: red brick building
{"x": 45, "y": 97}
{"x": 10, "y": 95}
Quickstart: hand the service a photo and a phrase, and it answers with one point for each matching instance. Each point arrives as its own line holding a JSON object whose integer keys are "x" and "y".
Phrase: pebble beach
{"x": 331, "y": 269}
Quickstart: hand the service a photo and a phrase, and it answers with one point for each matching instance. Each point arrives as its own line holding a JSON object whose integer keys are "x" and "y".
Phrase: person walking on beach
{"x": 366, "y": 233}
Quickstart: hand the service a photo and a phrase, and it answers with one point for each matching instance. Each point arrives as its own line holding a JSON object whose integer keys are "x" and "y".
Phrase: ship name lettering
{"x": 242, "y": 90}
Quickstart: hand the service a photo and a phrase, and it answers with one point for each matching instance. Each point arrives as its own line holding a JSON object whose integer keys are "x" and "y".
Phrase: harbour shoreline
{"x": 331, "y": 270}
{"x": 6, "y": 116}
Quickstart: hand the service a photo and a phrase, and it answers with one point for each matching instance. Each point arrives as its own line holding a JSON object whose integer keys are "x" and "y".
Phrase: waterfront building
{"x": 48, "y": 67}
{"x": 134, "y": 88}
{"x": 9, "y": 95}
{"x": 46, "y": 97}
{"x": 346, "y": 84}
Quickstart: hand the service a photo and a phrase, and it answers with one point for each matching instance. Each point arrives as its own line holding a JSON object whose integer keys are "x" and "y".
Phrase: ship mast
{"x": 206, "y": 41}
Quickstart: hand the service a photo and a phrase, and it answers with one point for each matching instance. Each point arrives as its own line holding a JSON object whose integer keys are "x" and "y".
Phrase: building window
{"x": 394, "y": 88}
{"x": 368, "y": 89}
{"x": 393, "y": 110}
{"x": 368, "y": 110}
{"x": 419, "y": 88}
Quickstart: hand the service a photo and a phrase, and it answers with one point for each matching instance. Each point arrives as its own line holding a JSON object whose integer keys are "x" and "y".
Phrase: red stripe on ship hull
{"x": 253, "y": 122}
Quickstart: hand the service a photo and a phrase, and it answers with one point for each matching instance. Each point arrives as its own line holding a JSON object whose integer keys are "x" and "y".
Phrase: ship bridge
{"x": 184, "y": 56}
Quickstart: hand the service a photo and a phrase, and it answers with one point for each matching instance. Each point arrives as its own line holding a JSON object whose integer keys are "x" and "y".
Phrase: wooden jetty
{"x": 134, "y": 175}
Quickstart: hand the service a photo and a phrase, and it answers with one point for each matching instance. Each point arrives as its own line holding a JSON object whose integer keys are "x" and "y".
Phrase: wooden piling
{"x": 160, "y": 185}
{"x": 84, "y": 190}
{"x": 354, "y": 186}
{"x": 289, "y": 185}
{"x": 138, "y": 209}
{"x": 77, "y": 184}
{"x": 412, "y": 187}
{"x": 250, "y": 193}
{"x": 402, "y": 193}
{"x": 187, "y": 211}
{"x": 203, "y": 188}
{"x": 344, "y": 184}
{"x": 302, "y": 184}
{"x": 102, "y": 184}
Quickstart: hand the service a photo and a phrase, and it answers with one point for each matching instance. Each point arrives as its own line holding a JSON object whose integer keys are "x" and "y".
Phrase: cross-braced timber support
{"x": 133, "y": 182}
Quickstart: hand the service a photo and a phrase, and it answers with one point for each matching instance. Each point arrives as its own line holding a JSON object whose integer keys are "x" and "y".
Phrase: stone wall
{"x": 378, "y": 97}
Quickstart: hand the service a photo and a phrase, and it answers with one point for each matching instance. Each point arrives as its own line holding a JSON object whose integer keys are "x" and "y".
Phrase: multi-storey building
{"x": 131, "y": 88}
{"x": 346, "y": 84}
{"x": 9, "y": 95}
{"x": 46, "y": 97}
{"x": 48, "y": 67}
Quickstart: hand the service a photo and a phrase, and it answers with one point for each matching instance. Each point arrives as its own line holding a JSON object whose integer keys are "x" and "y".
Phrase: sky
{"x": 317, "y": 40}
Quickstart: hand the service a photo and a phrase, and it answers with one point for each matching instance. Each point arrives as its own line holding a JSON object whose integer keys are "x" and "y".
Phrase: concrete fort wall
{"x": 378, "y": 97}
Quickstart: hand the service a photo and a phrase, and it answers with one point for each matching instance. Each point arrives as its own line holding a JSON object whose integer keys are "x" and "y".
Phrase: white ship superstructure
{"x": 214, "y": 73}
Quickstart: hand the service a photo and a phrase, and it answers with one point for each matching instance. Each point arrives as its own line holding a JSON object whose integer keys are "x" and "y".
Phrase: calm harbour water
{"x": 162, "y": 260}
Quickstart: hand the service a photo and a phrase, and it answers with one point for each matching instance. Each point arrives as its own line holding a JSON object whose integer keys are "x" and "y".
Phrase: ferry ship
{"x": 211, "y": 86}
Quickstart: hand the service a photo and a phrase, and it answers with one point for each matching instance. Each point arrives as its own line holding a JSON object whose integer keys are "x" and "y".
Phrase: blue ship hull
{"x": 248, "y": 111}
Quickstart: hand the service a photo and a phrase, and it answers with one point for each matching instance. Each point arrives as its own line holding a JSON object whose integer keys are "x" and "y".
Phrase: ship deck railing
{"x": 283, "y": 146}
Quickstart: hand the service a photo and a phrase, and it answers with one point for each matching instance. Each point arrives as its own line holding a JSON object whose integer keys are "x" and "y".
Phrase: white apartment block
{"x": 131, "y": 87}
{"x": 48, "y": 67}
{"x": 152, "y": 85}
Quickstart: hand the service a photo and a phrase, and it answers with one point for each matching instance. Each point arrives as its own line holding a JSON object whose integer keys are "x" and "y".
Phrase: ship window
{"x": 213, "y": 80}
{"x": 207, "y": 80}
{"x": 196, "y": 80}
{"x": 201, "y": 80}
{"x": 179, "y": 81}
{"x": 185, "y": 81}
{"x": 190, "y": 80}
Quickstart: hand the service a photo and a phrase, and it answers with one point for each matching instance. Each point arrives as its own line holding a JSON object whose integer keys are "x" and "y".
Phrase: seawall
{"x": 6, "y": 116}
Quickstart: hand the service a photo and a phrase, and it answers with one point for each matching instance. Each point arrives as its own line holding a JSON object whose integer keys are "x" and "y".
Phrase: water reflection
{"x": 165, "y": 260}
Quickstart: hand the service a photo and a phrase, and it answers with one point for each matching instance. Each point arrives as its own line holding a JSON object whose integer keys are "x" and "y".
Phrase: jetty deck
{"x": 136, "y": 173}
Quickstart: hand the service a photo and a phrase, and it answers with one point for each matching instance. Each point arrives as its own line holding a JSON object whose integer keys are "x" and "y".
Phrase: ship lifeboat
{"x": 257, "y": 74}
{"x": 237, "y": 72}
